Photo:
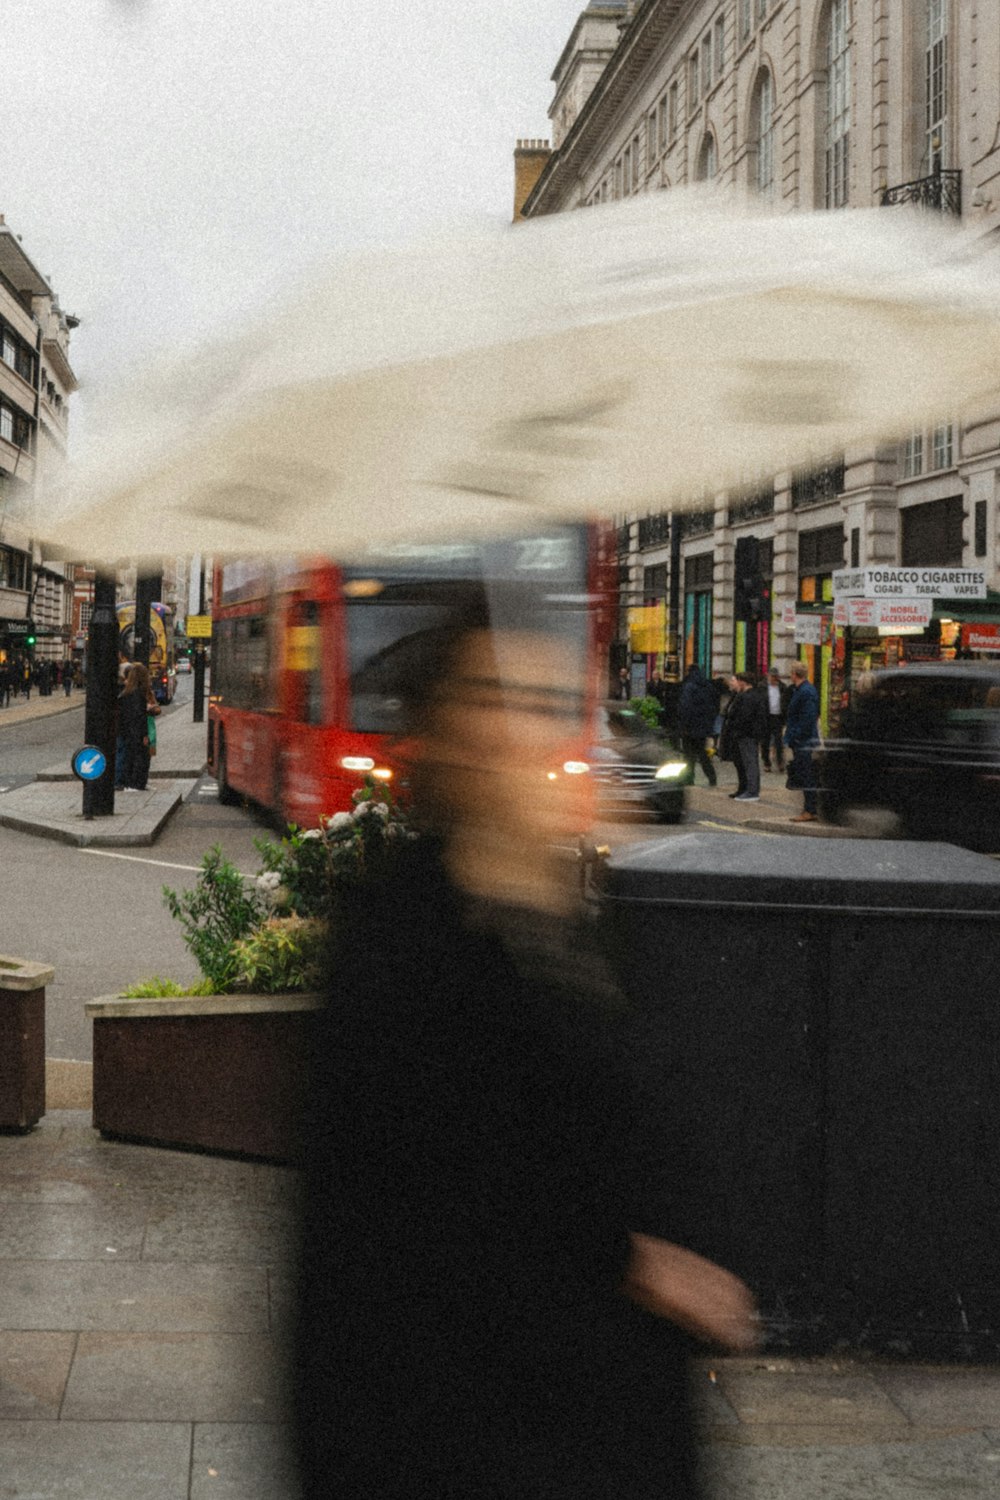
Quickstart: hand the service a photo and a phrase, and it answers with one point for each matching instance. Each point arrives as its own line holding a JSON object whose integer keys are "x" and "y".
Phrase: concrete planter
{"x": 22, "y": 1042}
{"x": 213, "y": 1073}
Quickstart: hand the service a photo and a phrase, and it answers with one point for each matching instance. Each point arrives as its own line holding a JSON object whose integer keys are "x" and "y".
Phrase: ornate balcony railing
{"x": 695, "y": 522}
{"x": 654, "y": 531}
{"x": 941, "y": 191}
{"x": 752, "y": 506}
{"x": 813, "y": 486}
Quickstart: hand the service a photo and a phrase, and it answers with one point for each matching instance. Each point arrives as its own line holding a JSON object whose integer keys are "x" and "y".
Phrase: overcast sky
{"x": 169, "y": 162}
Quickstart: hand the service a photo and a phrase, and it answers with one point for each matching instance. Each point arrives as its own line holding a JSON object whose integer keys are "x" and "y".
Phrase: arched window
{"x": 837, "y": 121}
{"x": 763, "y": 132}
{"x": 708, "y": 162}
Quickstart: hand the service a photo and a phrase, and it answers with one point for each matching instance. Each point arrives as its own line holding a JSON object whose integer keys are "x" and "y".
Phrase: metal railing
{"x": 941, "y": 191}
{"x": 695, "y": 522}
{"x": 753, "y": 506}
{"x": 654, "y": 531}
{"x": 813, "y": 486}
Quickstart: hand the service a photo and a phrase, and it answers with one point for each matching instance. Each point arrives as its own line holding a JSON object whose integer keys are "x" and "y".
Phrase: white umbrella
{"x": 635, "y": 356}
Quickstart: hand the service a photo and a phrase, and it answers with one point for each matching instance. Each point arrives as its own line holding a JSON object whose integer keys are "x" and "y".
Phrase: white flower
{"x": 269, "y": 881}
{"x": 312, "y": 833}
{"x": 362, "y": 810}
{"x": 381, "y": 809}
{"x": 338, "y": 821}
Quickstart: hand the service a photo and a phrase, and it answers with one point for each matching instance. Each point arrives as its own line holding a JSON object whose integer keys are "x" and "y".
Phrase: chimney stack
{"x": 530, "y": 157}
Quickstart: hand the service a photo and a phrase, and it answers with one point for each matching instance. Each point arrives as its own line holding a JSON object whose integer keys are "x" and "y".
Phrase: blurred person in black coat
{"x": 491, "y": 1307}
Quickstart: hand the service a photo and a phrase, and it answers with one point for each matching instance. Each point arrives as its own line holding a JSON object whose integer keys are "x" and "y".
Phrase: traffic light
{"x": 29, "y": 640}
{"x": 749, "y": 592}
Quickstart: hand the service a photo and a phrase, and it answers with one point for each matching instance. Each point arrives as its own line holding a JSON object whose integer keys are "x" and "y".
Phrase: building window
{"x": 627, "y": 170}
{"x": 821, "y": 551}
{"x": 706, "y": 62}
{"x": 652, "y": 137}
{"x": 855, "y": 546}
{"x": 837, "y": 125}
{"x": 932, "y": 534}
{"x": 980, "y": 528}
{"x": 936, "y": 84}
{"x": 761, "y": 9}
{"x": 707, "y": 160}
{"x": 720, "y": 46}
{"x": 6, "y": 424}
{"x": 672, "y": 110}
{"x": 618, "y": 178}
{"x": 692, "y": 81}
{"x": 635, "y": 164}
{"x": 942, "y": 444}
{"x": 764, "y": 132}
{"x": 9, "y": 350}
{"x": 745, "y": 19}
{"x": 913, "y": 455}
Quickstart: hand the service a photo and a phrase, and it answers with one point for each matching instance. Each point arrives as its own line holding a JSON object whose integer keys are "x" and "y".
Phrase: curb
{"x": 83, "y": 839}
{"x": 187, "y": 774}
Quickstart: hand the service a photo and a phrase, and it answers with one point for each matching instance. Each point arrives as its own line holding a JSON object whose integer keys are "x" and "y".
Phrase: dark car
{"x": 921, "y": 744}
{"x": 635, "y": 770}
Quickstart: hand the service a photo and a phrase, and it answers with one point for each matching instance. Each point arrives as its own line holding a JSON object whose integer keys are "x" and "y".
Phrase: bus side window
{"x": 304, "y": 660}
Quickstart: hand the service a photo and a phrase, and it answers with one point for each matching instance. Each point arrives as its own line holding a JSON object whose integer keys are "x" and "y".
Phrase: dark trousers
{"x": 135, "y": 769}
{"x": 696, "y": 750}
{"x": 750, "y": 767}
{"x": 773, "y": 744}
{"x": 804, "y": 777}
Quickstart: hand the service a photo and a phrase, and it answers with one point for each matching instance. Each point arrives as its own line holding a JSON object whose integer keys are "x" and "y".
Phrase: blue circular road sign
{"x": 89, "y": 763}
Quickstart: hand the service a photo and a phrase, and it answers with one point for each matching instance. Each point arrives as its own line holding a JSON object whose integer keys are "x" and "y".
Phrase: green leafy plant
{"x": 304, "y": 873}
{"x": 216, "y": 915}
{"x": 158, "y": 989}
{"x": 648, "y": 710}
{"x": 284, "y": 953}
{"x": 268, "y": 932}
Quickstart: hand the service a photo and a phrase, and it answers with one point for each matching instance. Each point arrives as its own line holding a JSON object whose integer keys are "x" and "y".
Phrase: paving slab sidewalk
{"x": 146, "y": 1300}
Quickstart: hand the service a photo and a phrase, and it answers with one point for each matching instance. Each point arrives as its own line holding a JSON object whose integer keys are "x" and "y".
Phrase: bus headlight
{"x": 671, "y": 770}
{"x": 358, "y": 763}
{"x": 382, "y": 773}
{"x": 575, "y": 767}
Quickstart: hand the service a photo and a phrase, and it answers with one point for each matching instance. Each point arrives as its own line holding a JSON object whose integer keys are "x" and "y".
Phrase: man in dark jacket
{"x": 697, "y": 710}
{"x": 747, "y": 725}
{"x": 800, "y": 737}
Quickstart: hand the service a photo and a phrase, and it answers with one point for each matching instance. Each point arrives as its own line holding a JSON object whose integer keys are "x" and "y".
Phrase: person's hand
{"x": 696, "y": 1294}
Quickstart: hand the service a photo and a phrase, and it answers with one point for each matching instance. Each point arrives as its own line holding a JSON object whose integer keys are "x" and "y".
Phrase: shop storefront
{"x": 698, "y": 578}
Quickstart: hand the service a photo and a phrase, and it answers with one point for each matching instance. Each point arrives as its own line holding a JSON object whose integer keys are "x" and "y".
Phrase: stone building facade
{"x": 806, "y": 104}
{"x": 36, "y": 382}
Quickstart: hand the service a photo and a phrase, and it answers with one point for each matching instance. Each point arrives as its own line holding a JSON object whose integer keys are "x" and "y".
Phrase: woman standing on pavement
{"x": 135, "y": 704}
{"x": 490, "y": 1305}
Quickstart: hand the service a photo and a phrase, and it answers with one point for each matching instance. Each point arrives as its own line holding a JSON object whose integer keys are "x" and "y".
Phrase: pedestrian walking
{"x": 801, "y": 736}
{"x": 697, "y": 711}
{"x": 624, "y": 691}
{"x": 4, "y": 684}
{"x": 27, "y": 676}
{"x": 772, "y": 746}
{"x": 491, "y": 1304}
{"x": 67, "y": 678}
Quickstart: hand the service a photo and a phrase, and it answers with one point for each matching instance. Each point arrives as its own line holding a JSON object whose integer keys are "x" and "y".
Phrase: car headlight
{"x": 671, "y": 770}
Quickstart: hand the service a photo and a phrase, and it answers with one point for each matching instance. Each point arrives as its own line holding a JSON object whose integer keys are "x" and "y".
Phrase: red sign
{"x": 981, "y": 637}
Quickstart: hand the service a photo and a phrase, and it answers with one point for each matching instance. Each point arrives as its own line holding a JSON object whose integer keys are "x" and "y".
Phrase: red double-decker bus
{"x": 308, "y": 658}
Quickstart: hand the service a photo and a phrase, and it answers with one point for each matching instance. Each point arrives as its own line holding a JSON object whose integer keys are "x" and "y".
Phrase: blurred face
{"x": 505, "y": 725}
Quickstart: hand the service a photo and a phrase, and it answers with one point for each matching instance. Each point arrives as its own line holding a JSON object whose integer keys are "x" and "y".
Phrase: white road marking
{"x": 138, "y": 859}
